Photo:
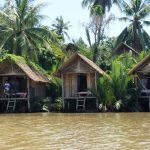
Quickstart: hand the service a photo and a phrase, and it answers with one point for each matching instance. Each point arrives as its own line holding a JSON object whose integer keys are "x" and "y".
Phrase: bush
{"x": 114, "y": 90}
{"x": 57, "y": 105}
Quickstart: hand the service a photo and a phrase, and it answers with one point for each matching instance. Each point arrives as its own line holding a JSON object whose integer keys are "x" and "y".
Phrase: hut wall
{"x": 67, "y": 85}
{"x": 40, "y": 90}
{"x": 78, "y": 67}
{"x": 70, "y": 83}
{"x": 74, "y": 84}
{"x": 37, "y": 89}
{"x": 70, "y": 75}
{"x": 90, "y": 80}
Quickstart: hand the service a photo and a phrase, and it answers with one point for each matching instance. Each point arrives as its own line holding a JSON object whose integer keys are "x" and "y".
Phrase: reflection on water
{"x": 96, "y": 131}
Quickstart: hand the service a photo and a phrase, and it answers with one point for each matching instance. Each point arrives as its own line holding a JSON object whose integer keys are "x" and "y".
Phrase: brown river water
{"x": 76, "y": 131}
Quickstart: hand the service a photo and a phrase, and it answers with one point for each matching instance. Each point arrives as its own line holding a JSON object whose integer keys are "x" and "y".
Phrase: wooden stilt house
{"x": 141, "y": 72}
{"x": 25, "y": 80}
{"x": 124, "y": 48}
{"x": 79, "y": 76}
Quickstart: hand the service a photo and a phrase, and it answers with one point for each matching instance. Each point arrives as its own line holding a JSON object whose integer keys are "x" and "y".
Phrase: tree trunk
{"x": 95, "y": 53}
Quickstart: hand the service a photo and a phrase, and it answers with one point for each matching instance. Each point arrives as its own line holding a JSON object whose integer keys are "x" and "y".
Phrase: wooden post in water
{"x": 28, "y": 96}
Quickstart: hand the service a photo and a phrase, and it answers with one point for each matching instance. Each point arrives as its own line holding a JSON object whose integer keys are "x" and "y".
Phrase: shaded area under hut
{"x": 25, "y": 80}
{"x": 79, "y": 76}
{"x": 141, "y": 72}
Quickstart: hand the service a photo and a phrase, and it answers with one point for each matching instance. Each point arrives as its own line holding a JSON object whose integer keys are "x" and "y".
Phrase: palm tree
{"x": 61, "y": 27}
{"x": 20, "y": 31}
{"x": 136, "y": 12}
{"x": 105, "y": 4}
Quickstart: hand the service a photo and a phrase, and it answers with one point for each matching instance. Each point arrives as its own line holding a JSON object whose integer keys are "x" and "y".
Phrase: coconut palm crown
{"x": 136, "y": 13}
{"x": 61, "y": 27}
{"x": 105, "y": 4}
{"x": 20, "y": 30}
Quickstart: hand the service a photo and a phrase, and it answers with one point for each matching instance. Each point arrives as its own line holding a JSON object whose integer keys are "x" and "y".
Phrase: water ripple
{"x": 54, "y": 131}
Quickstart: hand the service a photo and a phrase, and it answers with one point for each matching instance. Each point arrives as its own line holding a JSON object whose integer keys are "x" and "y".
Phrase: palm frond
{"x": 4, "y": 18}
{"x": 144, "y": 12}
{"x": 126, "y": 9}
{"x": 88, "y": 3}
{"x": 124, "y": 19}
{"x": 121, "y": 37}
{"x": 88, "y": 36}
{"x": 146, "y": 39}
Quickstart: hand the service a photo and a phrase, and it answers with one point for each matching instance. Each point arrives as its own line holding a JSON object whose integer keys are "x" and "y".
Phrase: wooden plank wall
{"x": 66, "y": 85}
{"x": 70, "y": 83}
{"x": 90, "y": 80}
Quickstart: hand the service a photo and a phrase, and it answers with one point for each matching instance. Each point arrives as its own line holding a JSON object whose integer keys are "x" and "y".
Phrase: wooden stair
{"x": 11, "y": 105}
{"x": 80, "y": 104}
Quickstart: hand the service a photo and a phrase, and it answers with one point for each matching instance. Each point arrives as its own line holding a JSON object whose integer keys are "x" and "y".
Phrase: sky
{"x": 71, "y": 10}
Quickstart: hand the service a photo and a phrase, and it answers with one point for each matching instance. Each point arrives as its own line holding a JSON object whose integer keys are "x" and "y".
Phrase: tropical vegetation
{"x": 23, "y": 34}
{"x": 104, "y": 4}
{"x": 20, "y": 29}
{"x": 61, "y": 27}
{"x": 136, "y": 13}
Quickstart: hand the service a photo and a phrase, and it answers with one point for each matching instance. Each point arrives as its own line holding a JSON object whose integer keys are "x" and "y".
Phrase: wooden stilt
{"x": 28, "y": 96}
{"x": 96, "y": 89}
{"x": 62, "y": 79}
{"x": 149, "y": 102}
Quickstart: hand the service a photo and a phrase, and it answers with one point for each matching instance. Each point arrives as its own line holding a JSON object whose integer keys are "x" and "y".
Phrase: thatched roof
{"x": 141, "y": 65}
{"x": 73, "y": 59}
{"x": 122, "y": 47}
{"x": 31, "y": 71}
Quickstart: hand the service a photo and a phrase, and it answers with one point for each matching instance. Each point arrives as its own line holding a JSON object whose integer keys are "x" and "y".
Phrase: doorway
{"x": 81, "y": 82}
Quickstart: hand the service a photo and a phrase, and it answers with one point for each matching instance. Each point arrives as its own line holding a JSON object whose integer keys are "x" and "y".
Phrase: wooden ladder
{"x": 80, "y": 104}
{"x": 11, "y": 105}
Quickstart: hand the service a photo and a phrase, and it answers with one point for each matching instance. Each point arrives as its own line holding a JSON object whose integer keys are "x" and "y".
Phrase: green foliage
{"x": 105, "y": 54}
{"x": 48, "y": 60}
{"x": 54, "y": 89}
{"x": 61, "y": 27}
{"x": 114, "y": 90}
{"x": 136, "y": 12}
{"x": 3, "y": 53}
{"x": 97, "y": 10}
{"x": 128, "y": 60}
{"x": 104, "y": 4}
{"x": 83, "y": 48}
{"x": 119, "y": 80}
{"x": 57, "y": 105}
{"x": 88, "y": 36}
{"x": 20, "y": 30}
{"x": 105, "y": 94}
{"x": 14, "y": 59}
{"x": 142, "y": 55}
